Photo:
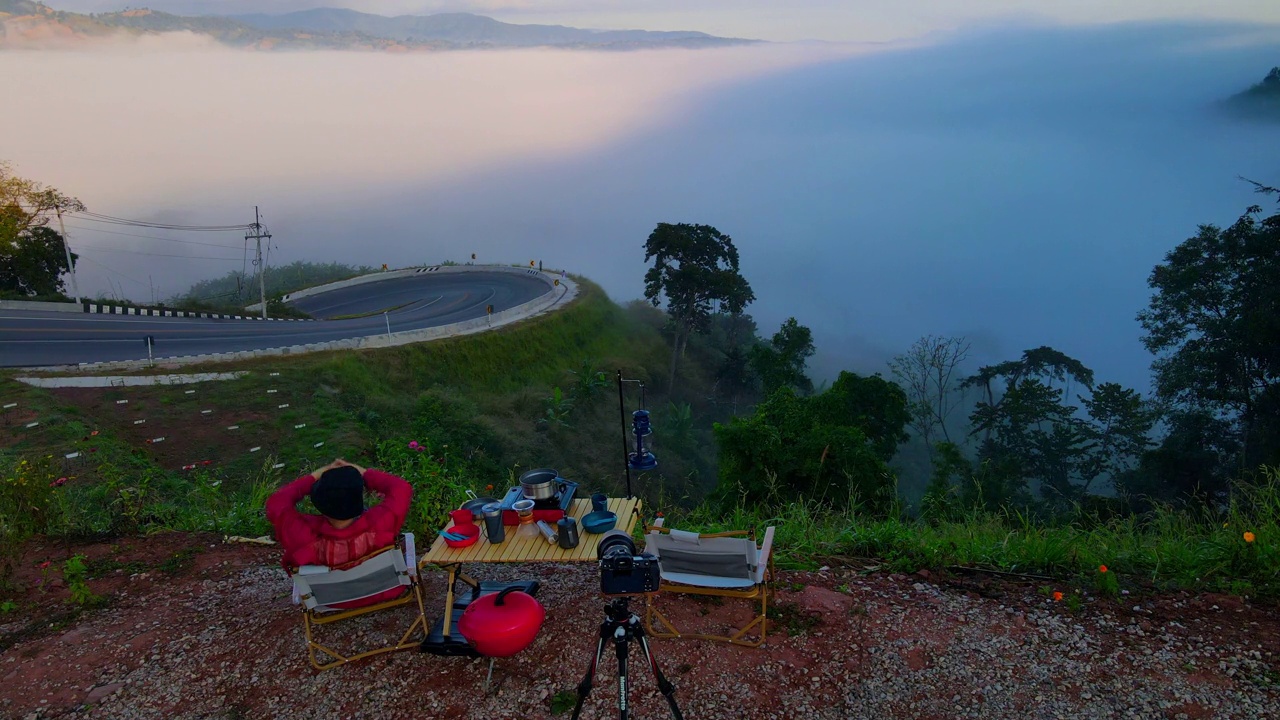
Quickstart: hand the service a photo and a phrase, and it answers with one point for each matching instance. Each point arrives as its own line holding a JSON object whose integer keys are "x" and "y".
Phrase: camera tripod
{"x": 623, "y": 626}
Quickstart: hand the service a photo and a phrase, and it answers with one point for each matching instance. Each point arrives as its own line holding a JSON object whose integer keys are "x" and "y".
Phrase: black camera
{"x": 622, "y": 570}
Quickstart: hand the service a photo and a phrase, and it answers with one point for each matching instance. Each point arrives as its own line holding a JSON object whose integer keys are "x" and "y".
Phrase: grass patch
{"x": 1166, "y": 548}
{"x": 178, "y": 562}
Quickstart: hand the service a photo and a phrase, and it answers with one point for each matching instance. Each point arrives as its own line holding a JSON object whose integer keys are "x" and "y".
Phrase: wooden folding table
{"x": 522, "y": 547}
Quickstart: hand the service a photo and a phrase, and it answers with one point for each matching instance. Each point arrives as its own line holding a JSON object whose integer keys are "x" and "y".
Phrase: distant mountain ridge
{"x": 27, "y": 22}
{"x": 1262, "y": 101}
{"x": 463, "y": 29}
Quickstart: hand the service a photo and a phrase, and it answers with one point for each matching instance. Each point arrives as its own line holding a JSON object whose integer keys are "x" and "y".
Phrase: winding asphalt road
{"x": 415, "y": 302}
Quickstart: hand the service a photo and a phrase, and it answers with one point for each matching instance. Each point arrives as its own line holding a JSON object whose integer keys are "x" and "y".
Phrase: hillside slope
{"x": 1262, "y": 101}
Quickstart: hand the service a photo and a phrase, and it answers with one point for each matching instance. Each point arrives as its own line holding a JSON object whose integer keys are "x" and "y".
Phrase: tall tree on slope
{"x": 694, "y": 266}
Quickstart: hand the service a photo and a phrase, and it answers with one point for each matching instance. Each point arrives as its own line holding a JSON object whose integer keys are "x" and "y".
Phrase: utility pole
{"x": 66, "y": 245}
{"x": 262, "y": 270}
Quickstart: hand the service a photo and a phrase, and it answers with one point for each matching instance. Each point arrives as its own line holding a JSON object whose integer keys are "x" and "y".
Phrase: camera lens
{"x": 615, "y": 543}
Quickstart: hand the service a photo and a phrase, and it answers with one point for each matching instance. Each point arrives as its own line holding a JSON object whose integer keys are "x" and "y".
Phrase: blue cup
{"x": 599, "y": 502}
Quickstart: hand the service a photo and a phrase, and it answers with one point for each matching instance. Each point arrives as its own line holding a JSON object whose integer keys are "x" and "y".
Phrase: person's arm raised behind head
{"x": 283, "y": 502}
{"x": 395, "y": 491}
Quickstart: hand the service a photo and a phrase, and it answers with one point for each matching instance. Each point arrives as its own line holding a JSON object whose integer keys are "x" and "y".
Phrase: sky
{"x": 774, "y": 20}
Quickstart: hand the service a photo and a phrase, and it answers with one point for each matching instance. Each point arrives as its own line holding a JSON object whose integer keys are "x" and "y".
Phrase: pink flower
{"x": 206, "y": 462}
{"x": 413, "y": 444}
{"x": 59, "y": 482}
{"x": 44, "y": 565}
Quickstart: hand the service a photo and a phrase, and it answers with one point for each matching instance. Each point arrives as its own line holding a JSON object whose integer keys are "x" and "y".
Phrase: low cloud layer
{"x": 1016, "y": 187}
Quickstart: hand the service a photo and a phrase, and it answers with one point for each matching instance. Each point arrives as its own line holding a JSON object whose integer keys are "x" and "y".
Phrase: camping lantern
{"x": 641, "y": 459}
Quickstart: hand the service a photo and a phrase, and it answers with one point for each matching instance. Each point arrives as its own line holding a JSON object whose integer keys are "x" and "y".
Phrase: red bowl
{"x": 472, "y": 531}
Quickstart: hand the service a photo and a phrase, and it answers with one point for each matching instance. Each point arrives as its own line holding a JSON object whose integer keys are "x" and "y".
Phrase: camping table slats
{"x": 521, "y": 547}
{"x": 533, "y": 547}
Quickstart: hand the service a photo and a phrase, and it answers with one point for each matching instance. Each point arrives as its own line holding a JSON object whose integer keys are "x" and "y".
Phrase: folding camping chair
{"x": 724, "y": 564}
{"x": 319, "y": 588}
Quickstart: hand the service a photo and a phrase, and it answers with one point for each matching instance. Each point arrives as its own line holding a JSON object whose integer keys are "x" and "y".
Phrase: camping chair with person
{"x": 331, "y": 595}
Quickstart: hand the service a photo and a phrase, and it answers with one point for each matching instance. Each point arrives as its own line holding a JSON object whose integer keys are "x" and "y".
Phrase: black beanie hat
{"x": 339, "y": 493}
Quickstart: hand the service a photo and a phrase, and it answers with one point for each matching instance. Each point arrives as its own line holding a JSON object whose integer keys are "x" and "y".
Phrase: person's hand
{"x": 322, "y": 470}
{"x": 341, "y": 463}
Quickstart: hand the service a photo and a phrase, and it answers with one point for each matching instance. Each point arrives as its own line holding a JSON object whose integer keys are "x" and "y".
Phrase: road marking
{"x": 10, "y": 405}
{"x": 31, "y": 425}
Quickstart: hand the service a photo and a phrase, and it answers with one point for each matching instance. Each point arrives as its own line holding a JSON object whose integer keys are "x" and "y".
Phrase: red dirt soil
{"x": 200, "y": 628}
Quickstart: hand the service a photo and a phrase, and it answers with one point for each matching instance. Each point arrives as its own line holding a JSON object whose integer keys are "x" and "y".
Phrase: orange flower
{"x": 1102, "y": 568}
{"x": 1248, "y": 537}
{"x": 1057, "y": 596}
{"x": 488, "y": 487}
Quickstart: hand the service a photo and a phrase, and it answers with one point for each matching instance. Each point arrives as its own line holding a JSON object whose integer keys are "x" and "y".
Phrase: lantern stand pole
{"x": 622, "y": 416}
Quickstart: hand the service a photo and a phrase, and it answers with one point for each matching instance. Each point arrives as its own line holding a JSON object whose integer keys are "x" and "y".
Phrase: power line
{"x": 110, "y": 220}
{"x": 139, "y": 252}
{"x": 153, "y": 237}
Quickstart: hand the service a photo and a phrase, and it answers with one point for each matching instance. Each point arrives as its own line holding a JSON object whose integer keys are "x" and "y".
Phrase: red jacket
{"x": 311, "y": 540}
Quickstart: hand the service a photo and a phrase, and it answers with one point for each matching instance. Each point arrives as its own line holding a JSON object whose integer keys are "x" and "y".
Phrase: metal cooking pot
{"x": 502, "y": 624}
{"x": 540, "y": 484}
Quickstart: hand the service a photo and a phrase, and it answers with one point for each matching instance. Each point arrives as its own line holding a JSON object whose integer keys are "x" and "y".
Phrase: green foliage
{"x": 826, "y": 447}
{"x": 694, "y": 266}
{"x": 1211, "y": 322}
{"x": 558, "y": 407}
{"x": 563, "y": 701}
{"x": 238, "y": 286}
{"x": 32, "y": 263}
{"x": 1030, "y": 434}
{"x": 591, "y": 382}
{"x": 32, "y": 257}
{"x": 1108, "y": 585}
{"x": 29, "y": 503}
{"x": 438, "y": 486}
{"x": 75, "y": 574}
{"x": 1170, "y": 548}
{"x": 781, "y": 362}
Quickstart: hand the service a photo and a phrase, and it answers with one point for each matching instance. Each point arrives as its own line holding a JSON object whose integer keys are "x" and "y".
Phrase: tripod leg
{"x": 621, "y": 644}
{"x": 665, "y": 686}
{"x": 584, "y": 687}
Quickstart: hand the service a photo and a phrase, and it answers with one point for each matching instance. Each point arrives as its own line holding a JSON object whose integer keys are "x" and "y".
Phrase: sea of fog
{"x": 1013, "y": 186}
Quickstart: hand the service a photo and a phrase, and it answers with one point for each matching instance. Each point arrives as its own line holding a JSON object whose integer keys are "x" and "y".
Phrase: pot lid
{"x": 501, "y": 614}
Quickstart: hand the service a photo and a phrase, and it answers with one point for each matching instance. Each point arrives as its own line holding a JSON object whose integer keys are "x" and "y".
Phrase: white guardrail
{"x": 560, "y": 291}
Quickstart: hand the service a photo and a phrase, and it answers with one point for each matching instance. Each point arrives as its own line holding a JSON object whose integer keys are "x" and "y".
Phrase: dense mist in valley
{"x": 1013, "y": 185}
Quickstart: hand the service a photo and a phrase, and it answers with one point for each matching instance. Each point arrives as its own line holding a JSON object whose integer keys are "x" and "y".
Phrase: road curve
{"x": 413, "y": 302}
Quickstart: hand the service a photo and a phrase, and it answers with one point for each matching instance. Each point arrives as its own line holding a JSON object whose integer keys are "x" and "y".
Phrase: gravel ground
{"x": 221, "y": 640}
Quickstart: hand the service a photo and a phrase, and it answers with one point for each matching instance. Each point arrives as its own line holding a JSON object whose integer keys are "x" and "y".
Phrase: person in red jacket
{"x": 344, "y": 531}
